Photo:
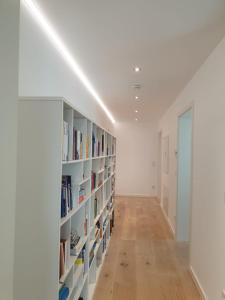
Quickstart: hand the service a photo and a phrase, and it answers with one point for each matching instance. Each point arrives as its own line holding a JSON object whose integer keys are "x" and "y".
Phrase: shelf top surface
{"x": 66, "y": 103}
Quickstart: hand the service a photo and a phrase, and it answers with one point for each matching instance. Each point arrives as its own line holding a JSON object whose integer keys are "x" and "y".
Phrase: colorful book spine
{"x": 78, "y": 144}
{"x": 81, "y": 194}
{"x": 64, "y": 293}
{"x": 64, "y": 256}
{"x": 93, "y": 181}
{"x": 87, "y": 146}
{"x": 66, "y": 196}
{"x": 103, "y": 144}
{"x": 93, "y": 144}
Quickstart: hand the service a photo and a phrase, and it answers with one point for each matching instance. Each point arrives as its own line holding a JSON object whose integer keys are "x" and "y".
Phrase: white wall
{"x": 9, "y": 33}
{"x": 136, "y": 159}
{"x": 44, "y": 73}
{"x": 207, "y": 91}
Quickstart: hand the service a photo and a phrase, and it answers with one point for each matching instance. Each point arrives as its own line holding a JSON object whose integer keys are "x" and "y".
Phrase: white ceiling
{"x": 168, "y": 39}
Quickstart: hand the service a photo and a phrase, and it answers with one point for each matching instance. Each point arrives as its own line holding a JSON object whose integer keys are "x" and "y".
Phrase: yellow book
{"x": 79, "y": 261}
{"x": 87, "y": 146}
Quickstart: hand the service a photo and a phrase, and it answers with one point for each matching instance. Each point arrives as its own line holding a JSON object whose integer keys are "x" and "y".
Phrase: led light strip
{"x": 65, "y": 53}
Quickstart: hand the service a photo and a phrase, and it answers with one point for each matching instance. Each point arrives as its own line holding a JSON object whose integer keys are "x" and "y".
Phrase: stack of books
{"x": 66, "y": 196}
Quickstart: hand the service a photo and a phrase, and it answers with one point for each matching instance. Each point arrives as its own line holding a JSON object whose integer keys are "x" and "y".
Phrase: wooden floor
{"x": 143, "y": 261}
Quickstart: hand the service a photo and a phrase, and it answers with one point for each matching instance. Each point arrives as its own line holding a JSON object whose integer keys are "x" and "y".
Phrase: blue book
{"x": 64, "y": 293}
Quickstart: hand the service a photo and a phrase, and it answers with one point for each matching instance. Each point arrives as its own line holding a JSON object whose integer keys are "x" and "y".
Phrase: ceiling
{"x": 169, "y": 40}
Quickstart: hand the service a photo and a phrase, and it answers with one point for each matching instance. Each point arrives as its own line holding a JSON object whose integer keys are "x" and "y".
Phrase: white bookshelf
{"x": 40, "y": 224}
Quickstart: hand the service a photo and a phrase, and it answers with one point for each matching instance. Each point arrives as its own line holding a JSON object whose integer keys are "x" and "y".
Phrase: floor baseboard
{"x": 135, "y": 195}
{"x": 168, "y": 221}
{"x": 197, "y": 283}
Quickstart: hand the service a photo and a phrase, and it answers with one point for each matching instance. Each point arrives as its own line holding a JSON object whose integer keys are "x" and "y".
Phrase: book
{"x": 66, "y": 196}
{"x": 103, "y": 143}
{"x": 98, "y": 148}
{"x": 93, "y": 144}
{"x": 93, "y": 181}
{"x": 74, "y": 243}
{"x": 78, "y": 147}
{"x": 63, "y": 202}
{"x": 66, "y": 252}
{"x": 87, "y": 146}
{"x": 65, "y": 141}
{"x": 75, "y": 153}
{"x": 81, "y": 146}
{"x": 95, "y": 207}
{"x": 81, "y": 258}
{"x": 82, "y": 194}
{"x": 64, "y": 293}
{"x": 61, "y": 261}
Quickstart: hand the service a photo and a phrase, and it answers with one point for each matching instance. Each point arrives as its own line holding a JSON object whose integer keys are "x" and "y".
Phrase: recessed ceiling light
{"x": 137, "y": 69}
{"x": 136, "y": 111}
{"x": 67, "y": 56}
{"x": 136, "y": 97}
{"x": 136, "y": 119}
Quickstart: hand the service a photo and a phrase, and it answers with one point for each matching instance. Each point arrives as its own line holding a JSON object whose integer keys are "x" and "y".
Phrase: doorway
{"x": 184, "y": 176}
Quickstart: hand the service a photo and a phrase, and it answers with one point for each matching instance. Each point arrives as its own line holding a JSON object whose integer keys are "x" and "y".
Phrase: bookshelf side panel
{"x": 38, "y": 200}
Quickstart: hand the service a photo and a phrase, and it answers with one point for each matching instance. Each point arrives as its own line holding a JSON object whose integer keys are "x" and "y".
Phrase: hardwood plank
{"x": 144, "y": 262}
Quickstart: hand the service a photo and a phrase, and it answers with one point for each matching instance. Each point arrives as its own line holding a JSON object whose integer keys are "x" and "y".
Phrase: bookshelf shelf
{"x": 99, "y": 157}
{"x": 84, "y": 180}
{"x": 68, "y": 162}
{"x": 100, "y": 171}
{"x": 72, "y": 196}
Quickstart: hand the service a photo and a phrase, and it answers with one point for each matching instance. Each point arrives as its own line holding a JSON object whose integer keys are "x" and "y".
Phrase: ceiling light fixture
{"x": 136, "y": 97}
{"x": 58, "y": 43}
{"x": 136, "y": 111}
{"x": 137, "y": 69}
{"x": 136, "y": 119}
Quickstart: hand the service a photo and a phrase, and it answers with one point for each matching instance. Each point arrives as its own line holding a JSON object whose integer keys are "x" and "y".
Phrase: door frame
{"x": 191, "y": 108}
{"x": 159, "y": 173}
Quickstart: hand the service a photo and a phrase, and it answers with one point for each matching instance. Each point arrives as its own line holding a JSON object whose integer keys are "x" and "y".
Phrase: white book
{"x": 67, "y": 254}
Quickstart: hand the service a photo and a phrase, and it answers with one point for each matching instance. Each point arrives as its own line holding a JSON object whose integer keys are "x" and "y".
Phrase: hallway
{"x": 143, "y": 261}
